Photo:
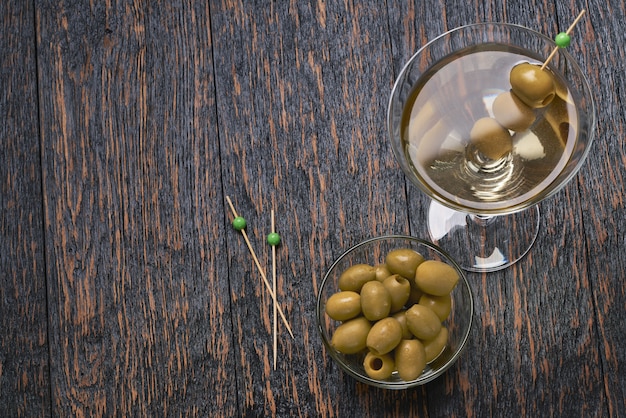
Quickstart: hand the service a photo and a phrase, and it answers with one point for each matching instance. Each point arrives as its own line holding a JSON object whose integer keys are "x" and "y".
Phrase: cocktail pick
{"x": 239, "y": 223}
{"x": 562, "y": 40}
{"x": 273, "y": 239}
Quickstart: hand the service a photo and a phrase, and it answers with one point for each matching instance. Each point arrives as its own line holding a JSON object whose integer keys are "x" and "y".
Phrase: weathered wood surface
{"x": 139, "y": 296}
{"x": 124, "y": 291}
{"x": 24, "y": 345}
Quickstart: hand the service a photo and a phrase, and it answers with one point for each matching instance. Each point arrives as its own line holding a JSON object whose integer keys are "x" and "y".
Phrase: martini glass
{"x": 484, "y": 207}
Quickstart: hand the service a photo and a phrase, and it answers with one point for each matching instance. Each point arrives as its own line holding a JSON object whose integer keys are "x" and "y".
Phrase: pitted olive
{"x": 423, "y": 322}
{"x": 356, "y": 276}
{"x": 410, "y": 359}
{"x": 532, "y": 85}
{"x": 512, "y": 113}
{"x": 436, "y": 277}
{"x": 434, "y": 347}
{"x": 403, "y": 261}
{"x": 490, "y": 138}
{"x": 399, "y": 289}
{"x": 351, "y": 336}
{"x": 441, "y": 305}
{"x": 400, "y": 316}
{"x": 375, "y": 300}
{"x": 382, "y": 272}
{"x": 344, "y": 305}
{"x": 384, "y": 336}
{"x": 379, "y": 367}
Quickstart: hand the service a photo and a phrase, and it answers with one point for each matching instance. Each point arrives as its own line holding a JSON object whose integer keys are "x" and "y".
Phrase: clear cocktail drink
{"x": 460, "y": 134}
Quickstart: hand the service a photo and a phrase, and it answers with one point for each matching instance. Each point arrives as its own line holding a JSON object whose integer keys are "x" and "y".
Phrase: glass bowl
{"x": 373, "y": 252}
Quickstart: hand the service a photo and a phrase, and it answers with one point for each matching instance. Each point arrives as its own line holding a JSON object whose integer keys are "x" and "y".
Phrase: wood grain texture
{"x": 302, "y": 90}
{"x": 24, "y": 357}
{"x": 124, "y": 290}
{"x": 134, "y": 218}
{"x": 534, "y": 317}
{"x": 601, "y": 187}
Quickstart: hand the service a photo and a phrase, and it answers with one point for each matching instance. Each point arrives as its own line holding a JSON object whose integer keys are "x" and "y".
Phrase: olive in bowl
{"x": 400, "y": 336}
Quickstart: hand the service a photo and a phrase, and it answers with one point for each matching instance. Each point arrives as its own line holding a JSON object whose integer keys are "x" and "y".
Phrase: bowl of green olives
{"x": 395, "y": 311}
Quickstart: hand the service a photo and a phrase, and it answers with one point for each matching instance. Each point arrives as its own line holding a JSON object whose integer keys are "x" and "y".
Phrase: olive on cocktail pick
{"x": 490, "y": 138}
{"x": 510, "y": 112}
{"x": 532, "y": 85}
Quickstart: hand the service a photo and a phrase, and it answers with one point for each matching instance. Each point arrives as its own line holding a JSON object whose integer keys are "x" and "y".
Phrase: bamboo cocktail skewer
{"x": 258, "y": 265}
{"x": 273, "y": 244}
{"x": 565, "y": 35}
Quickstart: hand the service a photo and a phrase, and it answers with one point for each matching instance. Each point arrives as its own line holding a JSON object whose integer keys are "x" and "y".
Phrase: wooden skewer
{"x": 258, "y": 265}
{"x": 274, "y": 290}
{"x": 580, "y": 15}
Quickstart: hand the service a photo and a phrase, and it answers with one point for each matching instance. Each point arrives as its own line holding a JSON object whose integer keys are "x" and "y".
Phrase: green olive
{"x": 379, "y": 367}
{"x": 403, "y": 261}
{"x": 355, "y": 276}
{"x": 384, "y": 336}
{"x": 558, "y": 118}
{"x": 435, "y": 347}
{"x": 510, "y": 112}
{"x": 441, "y": 305}
{"x": 375, "y": 300}
{"x": 382, "y": 272}
{"x": 351, "y": 336}
{"x": 490, "y": 138}
{"x": 400, "y": 316}
{"x": 344, "y": 305}
{"x": 436, "y": 277}
{"x": 410, "y": 359}
{"x": 399, "y": 289}
{"x": 532, "y": 85}
{"x": 423, "y": 322}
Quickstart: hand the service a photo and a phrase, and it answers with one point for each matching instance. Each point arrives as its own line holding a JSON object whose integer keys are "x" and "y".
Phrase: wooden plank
{"x": 24, "y": 357}
{"x": 601, "y": 187}
{"x": 537, "y": 316}
{"x": 302, "y": 93}
{"x": 139, "y": 308}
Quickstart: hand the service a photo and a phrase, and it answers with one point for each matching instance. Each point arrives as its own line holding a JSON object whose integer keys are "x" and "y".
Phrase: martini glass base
{"x": 483, "y": 243}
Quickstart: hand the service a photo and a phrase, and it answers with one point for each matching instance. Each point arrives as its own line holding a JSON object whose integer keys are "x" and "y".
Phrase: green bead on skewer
{"x": 273, "y": 239}
{"x": 562, "y": 40}
{"x": 239, "y": 223}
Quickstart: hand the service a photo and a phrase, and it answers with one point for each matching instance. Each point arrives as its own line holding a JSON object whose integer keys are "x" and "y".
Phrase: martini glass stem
{"x": 483, "y": 243}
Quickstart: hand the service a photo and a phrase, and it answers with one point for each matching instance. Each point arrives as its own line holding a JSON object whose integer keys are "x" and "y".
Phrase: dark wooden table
{"x": 124, "y": 291}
